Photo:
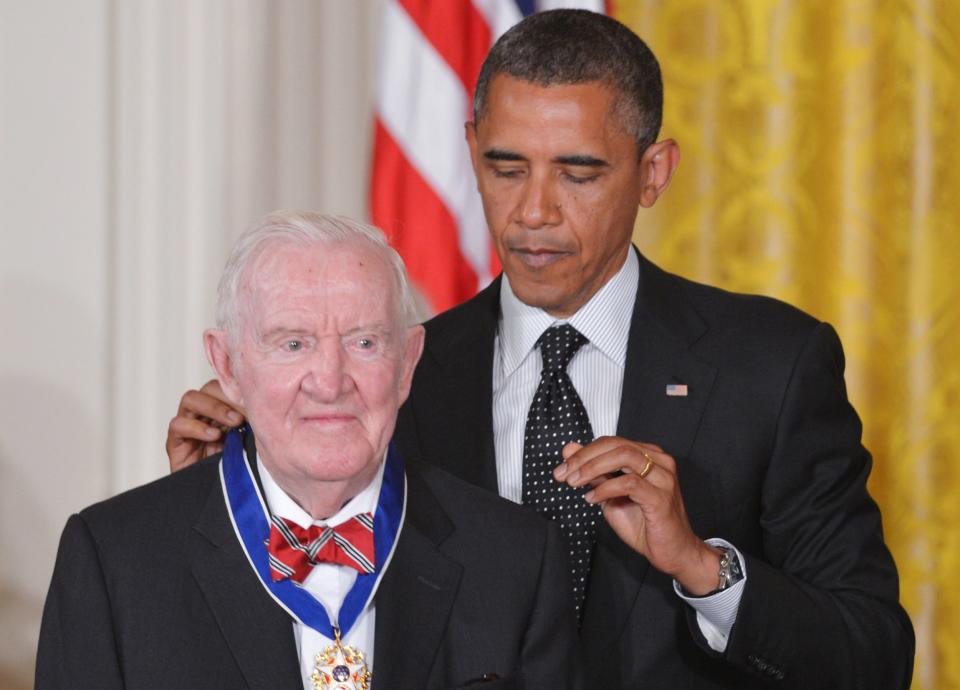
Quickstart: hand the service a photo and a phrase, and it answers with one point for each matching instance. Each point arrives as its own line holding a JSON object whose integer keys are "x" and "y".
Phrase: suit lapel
{"x": 416, "y": 594}
{"x": 663, "y": 332}
{"x": 459, "y": 372}
{"x": 663, "y": 329}
{"x": 258, "y": 632}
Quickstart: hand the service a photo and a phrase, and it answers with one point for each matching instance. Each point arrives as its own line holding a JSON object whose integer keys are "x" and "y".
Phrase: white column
{"x": 176, "y": 176}
{"x": 225, "y": 110}
{"x": 137, "y": 139}
{"x": 54, "y": 281}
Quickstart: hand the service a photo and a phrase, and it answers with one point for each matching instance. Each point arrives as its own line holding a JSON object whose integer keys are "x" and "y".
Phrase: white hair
{"x": 304, "y": 228}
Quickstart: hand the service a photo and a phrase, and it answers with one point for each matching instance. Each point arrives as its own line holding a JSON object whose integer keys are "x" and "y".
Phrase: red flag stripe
{"x": 418, "y": 225}
{"x": 457, "y": 31}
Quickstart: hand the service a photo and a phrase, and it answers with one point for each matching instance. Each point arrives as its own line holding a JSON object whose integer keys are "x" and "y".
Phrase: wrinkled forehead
{"x": 352, "y": 271}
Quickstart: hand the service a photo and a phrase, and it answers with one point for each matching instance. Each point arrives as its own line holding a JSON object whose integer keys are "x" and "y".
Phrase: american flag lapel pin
{"x": 677, "y": 390}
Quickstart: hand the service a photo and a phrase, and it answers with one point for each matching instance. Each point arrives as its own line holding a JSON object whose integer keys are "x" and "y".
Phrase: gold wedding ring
{"x": 646, "y": 468}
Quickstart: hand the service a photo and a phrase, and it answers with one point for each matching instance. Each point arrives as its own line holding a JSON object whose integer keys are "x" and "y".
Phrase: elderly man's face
{"x": 322, "y": 364}
{"x": 561, "y": 182}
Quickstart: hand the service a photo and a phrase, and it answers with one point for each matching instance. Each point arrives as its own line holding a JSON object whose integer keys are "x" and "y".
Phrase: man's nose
{"x": 326, "y": 378}
{"x": 539, "y": 206}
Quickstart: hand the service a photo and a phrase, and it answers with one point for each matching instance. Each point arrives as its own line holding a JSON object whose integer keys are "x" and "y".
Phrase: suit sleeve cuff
{"x": 717, "y": 613}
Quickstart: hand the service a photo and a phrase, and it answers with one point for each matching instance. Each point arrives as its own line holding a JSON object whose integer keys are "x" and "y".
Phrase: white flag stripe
{"x": 423, "y": 106}
{"x": 500, "y": 14}
{"x": 594, "y": 5}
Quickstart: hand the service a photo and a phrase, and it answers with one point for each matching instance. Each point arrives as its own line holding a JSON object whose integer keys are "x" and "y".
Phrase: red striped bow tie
{"x": 294, "y": 550}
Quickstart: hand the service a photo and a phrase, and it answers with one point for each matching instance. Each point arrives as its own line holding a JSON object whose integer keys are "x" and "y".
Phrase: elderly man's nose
{"x": 326, "y": 377}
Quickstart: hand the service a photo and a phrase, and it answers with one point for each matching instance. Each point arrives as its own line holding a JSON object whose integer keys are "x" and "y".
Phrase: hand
{"x": 646, "y": 512}
{"x": 197, "y": 430}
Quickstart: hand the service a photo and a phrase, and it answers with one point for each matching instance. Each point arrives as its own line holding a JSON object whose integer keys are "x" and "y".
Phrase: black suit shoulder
{"x": 756, "y": 344}
{"x": 734, "y": 321}
{"x": 144, "y": 534}
{"x": 126, "y": 607}
{"x": 485, "y": 304}
{"x": 166, "y": 505}
{"x": 469, "y": 326}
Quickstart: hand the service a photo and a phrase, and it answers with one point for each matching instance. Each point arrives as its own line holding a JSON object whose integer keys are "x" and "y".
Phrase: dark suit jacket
{"x": 769, "y": 458}
{"x": 152, "y": 590}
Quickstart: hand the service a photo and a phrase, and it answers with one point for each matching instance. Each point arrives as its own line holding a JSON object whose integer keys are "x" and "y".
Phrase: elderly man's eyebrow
{"x": 384, "y": 328}
{"x": 282, "y": 330}
{"x": 270, "y": 335}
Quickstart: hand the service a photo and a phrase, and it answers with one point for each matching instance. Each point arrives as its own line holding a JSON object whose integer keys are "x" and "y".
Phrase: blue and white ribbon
{"x": 251, "y": 522}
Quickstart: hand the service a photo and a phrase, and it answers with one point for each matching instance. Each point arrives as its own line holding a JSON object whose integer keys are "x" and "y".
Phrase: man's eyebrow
{"x": 502, "y": 155}
{"x": 579, "y": 160}
{"x": 277, "y": 331}
{"x": 582, "y": 161}
{"x": 376, "y": 327}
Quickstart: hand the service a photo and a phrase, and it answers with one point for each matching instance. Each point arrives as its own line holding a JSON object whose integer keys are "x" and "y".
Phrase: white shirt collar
{"x": 604, "y": 319}
{"x": 279, "y": 503}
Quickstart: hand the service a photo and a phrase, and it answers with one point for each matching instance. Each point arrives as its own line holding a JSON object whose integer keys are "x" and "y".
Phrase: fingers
{"x": 570, "y": 449}
{"x": 185, "y": 430}
{"x": 629, "y": 486}
{"x": 197, "y": 430}
{"x": 213, "y": 389}
{"x": 610, "y": 456}
{"x": 211, "y": 449}
{"x": 203, "y": 405}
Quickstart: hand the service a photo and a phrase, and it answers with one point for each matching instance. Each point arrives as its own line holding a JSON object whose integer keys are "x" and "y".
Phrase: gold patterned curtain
{"x": 821, "y": 164}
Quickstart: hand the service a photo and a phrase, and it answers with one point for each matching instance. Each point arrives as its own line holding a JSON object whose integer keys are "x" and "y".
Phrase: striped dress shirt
{"x": 597, "y": 373}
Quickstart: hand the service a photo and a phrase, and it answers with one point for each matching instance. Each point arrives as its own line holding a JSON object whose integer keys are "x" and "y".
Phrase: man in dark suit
{"x": 308, "y": 555}
{"x": 738, "y": 546}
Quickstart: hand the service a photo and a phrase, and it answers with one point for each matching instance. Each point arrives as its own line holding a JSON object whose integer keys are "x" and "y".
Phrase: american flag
{"x": 423, "y": 192}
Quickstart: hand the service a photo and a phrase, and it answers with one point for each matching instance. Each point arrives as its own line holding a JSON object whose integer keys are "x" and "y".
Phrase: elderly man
{"x": 713, "y": 493}
{"x": 309, "y": 554}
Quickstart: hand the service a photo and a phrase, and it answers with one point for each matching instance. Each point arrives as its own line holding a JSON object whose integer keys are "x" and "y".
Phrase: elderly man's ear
{"x": 215, "y": 342}
{"x": 412, "y": 350}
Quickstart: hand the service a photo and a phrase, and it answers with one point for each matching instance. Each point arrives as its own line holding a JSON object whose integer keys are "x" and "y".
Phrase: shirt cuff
{"x": 717, "y": 613}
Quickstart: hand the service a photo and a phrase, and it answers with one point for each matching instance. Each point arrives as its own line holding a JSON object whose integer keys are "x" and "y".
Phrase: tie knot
{"x": 558, "y": 345}
{"x": 294, "y": 550}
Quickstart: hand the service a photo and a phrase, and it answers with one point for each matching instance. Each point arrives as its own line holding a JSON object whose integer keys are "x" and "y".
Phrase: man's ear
{"x": 657, "y": 166}
{"x": 412, "y": 349}
{"x": 215, "y": 342}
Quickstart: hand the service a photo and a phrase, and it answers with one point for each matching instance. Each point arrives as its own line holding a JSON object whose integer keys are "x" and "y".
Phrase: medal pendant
{"x": 340, "y": 667}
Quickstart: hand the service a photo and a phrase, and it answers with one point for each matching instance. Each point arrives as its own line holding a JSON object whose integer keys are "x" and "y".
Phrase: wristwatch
{"x": 730, "y": 570}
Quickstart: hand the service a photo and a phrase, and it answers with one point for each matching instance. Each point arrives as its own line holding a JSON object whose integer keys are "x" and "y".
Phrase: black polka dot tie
{"x": 556, "y": 417}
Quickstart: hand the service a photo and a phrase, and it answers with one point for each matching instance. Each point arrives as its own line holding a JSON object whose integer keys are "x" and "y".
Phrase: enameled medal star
{"x": 340, "y": 667}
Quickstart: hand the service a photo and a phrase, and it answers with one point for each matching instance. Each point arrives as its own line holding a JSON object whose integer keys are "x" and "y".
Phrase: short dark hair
{"x": 576, "y": 47}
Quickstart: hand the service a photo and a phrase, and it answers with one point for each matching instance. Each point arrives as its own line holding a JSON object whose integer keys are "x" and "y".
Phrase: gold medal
{"x": 340, "y": 667}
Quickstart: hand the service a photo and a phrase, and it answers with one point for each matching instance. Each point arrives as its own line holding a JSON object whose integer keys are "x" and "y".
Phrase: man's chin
{"x": 538, "y": 294}
{"x": 336, "y": 463}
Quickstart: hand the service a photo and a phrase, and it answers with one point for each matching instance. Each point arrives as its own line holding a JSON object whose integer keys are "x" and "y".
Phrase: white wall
{"x": 137, "y": 138}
